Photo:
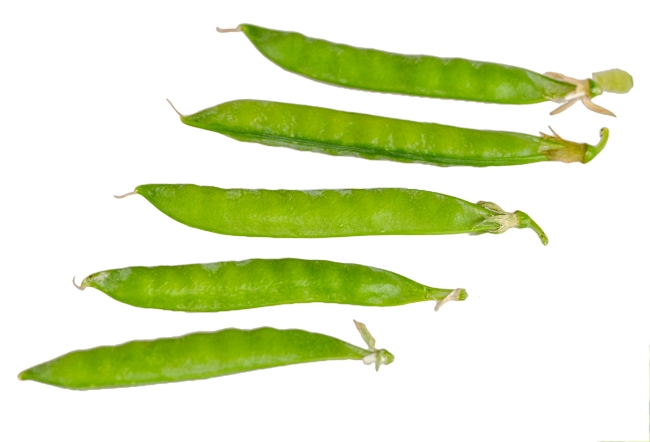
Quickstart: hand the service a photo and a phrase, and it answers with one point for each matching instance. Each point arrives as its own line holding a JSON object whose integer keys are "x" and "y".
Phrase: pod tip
{"x": 225, "y": 30}
{"x": 175, "y": 110}
{"x": 119, "y": 197}
{"x": 79, "y": 287}
{"x": 543, "y": 238}
{"x": 525, "y": 221}
{"x": 454, "y": 295}
{"x": 24, "y": 375}
{"x": 593, "y": 151}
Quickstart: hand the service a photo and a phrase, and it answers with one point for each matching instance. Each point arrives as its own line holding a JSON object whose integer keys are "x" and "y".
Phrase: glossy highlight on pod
{"x": 340, "y": 133}
{"x": 428, "y": 76}
{"x": 237, "y": 285}
{"x": 329, "y": 213}
{"x": 198, "y": 356}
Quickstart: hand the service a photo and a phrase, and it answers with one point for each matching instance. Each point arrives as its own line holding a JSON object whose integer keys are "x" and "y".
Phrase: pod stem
{"x": 556, "y": 148}
{"x": 500, "y": 221}
{"x": 592, "y": 151}
{"x": 79, "y": 287}
{"x": 613, "y": 80}
{"x": 377, "y": 357}
{"x": 454, "y": 295}
{"x": 526, "y": 221}
{"x": 584, "y": 91}
{"x": 173, "y": 107}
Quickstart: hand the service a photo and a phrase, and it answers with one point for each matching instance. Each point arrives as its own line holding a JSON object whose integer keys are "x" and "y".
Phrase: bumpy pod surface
{"x": 195, "y": 356}
{"x": 255, "y": 283}
{"x": 334, "y": 132}
{"x": 329, "y": 213}
{"x": 428, "y": 76}
{"x": 420, "y": 75}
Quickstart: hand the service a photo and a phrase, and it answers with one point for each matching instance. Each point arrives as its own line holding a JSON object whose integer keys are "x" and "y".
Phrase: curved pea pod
{"x": 428, "y": 76}
{"x": 223, "y": 286}
{"x": 334, "y": 132}
{"x": 329, "y": 213}
{"x": 198, "y": 356}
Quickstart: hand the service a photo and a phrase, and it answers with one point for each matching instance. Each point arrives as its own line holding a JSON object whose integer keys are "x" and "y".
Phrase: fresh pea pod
{"x": 333, "y": 132}
{"x": 223, "y": 286}
{"x": 198, "y": 356}
{"x": 428, "y": 76}
{"x": 329, "y": 213}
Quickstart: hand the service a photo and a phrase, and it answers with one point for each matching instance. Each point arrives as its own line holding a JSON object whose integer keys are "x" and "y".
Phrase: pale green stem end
{"x": 454, "y": 295}
{"x": 614, "y": 80}
{"x": 526, "y": 221}
{"x": 592, "y": 151}
{"x": 501, "y": 221}
{"x": 556, "y": 148}
{"x": 377, "y": 357}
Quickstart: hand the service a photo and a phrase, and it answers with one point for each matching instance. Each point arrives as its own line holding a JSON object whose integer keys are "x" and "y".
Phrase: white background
{"x": 551, "y": 345}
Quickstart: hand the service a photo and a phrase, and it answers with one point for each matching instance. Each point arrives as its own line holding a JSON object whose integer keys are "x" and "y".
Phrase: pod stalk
{"x": 377, "y": 357}
{"x": 455, "y": 295}
{"x": 592, "y": 151}
{"x": 175, "y": 110}
{"x": 526, "y": 221}
{"x": 556, "y": 148}
{"x": 501, "y": 221}
{"x": 614, "y": 80}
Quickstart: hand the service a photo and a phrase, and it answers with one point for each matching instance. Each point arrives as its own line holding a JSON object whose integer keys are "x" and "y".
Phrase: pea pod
{"x": 223, "y": 286}
{"x": 333, "y": 132}
{"x": 329, "y": 213}
{"x": 428, "y": 76}
{"x": 198, "y": 356}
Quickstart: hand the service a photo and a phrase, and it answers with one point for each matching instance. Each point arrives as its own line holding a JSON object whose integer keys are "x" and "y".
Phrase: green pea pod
{"x": 329, "y": 213}
{"x": 223, "y": 286}
{"x": 333, "y": 132}
{"x": 428, "y": 76}
{"x": 198, "y": 356}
